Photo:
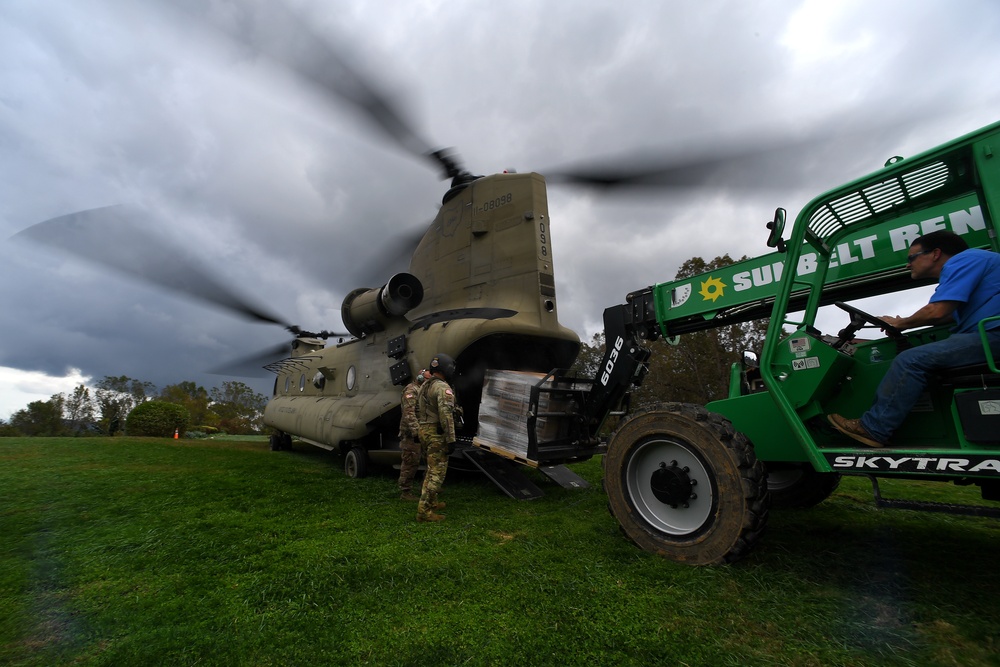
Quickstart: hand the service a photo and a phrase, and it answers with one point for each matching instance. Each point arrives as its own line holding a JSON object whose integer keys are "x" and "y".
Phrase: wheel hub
{"x": 672, "y": 485}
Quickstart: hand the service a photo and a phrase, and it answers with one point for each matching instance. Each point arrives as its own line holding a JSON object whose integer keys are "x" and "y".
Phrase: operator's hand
{"x": 893, "y": 321}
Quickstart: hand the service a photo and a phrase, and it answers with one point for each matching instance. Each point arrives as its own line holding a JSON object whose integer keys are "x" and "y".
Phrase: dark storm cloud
{"x": 295, "y": 192}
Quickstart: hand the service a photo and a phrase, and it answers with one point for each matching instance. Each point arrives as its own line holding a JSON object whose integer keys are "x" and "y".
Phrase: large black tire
{"x": 356, "y": 463}
{"x": 683, "y": 484}
{"x": 799, "y": 486}
{"x": 281, "y": 442}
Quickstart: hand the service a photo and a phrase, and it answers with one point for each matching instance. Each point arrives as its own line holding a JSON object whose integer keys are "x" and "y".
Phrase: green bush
{"x": 8, "y": 430}
{"x": 157, "y": 418}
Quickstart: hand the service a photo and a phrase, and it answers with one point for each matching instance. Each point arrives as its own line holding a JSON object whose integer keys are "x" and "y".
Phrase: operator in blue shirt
{"x": 968, "y": 290}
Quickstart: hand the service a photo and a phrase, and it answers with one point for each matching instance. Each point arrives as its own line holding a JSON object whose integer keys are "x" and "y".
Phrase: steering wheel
{"x": 859, "y": 319}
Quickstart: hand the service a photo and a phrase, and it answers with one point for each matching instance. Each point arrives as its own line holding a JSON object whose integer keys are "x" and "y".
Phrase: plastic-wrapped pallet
{"x": 503, "y": 413}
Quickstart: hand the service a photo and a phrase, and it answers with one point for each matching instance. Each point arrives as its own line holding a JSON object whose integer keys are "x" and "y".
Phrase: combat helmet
{"x": 442, "y": 363}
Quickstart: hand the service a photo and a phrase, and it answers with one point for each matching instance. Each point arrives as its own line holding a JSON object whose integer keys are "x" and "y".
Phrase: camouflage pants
{"x": 410, "y": 463}
{"x": 436, "y": 452}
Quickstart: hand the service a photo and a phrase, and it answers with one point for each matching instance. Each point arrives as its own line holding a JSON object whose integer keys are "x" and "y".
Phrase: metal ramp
{"x": 505, "y": 474}
{"x": 564, "y": 477}
{"x": 503, "y": 458}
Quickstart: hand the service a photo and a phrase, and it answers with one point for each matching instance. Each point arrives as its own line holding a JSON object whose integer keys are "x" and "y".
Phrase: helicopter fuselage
{"x": 480, "y": 289}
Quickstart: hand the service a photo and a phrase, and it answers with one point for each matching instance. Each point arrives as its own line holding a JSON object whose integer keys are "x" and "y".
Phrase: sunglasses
{"x": 910, "y": 258}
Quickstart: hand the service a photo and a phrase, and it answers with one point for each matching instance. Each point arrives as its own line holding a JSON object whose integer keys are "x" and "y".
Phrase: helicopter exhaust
{"x": 366, "y": 311}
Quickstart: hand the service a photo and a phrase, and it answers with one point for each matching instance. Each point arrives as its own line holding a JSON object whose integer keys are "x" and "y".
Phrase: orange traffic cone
{"x": 177, "y": 434}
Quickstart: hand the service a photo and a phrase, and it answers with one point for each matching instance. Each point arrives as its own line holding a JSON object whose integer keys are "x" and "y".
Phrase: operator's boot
{"x": 437, "y": 506}
{"x": 853, "y": 428}
{"x": 430, "y": 517}
{"x": 408, "y": 496}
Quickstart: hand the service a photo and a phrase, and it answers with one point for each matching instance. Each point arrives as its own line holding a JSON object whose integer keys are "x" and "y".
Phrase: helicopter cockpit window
{"x": 302, "y": 382}
{"x": 319, "y": 380}
{"x": 352, "y": 376}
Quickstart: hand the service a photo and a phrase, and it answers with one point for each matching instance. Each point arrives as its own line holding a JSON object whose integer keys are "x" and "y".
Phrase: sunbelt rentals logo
{"x": 712, "y": 288}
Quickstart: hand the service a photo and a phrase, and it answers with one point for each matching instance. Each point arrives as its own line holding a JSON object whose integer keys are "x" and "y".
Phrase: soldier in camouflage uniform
{"x": 409, "y": 438}
{"x": 435, "y": 413}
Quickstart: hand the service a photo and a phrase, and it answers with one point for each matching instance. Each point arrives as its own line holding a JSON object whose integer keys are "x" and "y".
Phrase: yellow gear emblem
{"x": 712, "y": 289}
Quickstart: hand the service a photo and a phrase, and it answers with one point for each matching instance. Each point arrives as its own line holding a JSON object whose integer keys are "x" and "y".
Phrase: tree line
{"x": 126, "y": 405}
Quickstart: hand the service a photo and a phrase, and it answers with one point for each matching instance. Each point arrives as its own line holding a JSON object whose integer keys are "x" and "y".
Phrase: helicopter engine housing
{"x": 366, "y": 311}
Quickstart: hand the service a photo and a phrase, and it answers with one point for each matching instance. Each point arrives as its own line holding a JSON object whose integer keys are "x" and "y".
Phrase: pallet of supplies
{"x": 503, "y": 413}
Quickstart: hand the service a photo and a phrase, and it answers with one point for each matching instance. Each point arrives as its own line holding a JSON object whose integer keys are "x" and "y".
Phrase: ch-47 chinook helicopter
{"x": 480, "y": 288}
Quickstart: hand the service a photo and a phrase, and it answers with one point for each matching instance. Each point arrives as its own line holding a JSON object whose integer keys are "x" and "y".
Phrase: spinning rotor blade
{"x": 119, "y": 237}
{"x": 742, "y": 168}
{"x": 680, "y": 175}
{"x": 273, "y": 30}
{"x": 393, "y": 257}
{"x": 253, "y": 365}
{"x": 763, "y": 163}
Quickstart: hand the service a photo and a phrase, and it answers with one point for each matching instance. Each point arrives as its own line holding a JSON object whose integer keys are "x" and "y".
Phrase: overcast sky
{"x": 291, "y": 195}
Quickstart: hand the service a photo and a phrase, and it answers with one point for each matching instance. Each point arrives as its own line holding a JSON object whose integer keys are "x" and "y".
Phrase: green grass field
{"x": 163, "y": 552}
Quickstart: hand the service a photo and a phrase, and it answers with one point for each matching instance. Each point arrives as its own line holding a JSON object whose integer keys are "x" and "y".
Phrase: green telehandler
{"x": 695, "y": 483}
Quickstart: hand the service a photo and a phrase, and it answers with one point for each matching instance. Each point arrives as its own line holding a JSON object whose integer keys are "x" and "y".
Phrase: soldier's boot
{"x": 438, "y": 506}
{"x": 430, "y": 517}
{"x": 406, "y": 495}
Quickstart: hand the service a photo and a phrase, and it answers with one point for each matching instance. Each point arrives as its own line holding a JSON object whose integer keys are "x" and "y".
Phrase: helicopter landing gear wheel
{"x": 356, "y": 463}
{"x": 280, "y": 442}
{"x": 800, "y": 487}
{"x": 684, "y": 485}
